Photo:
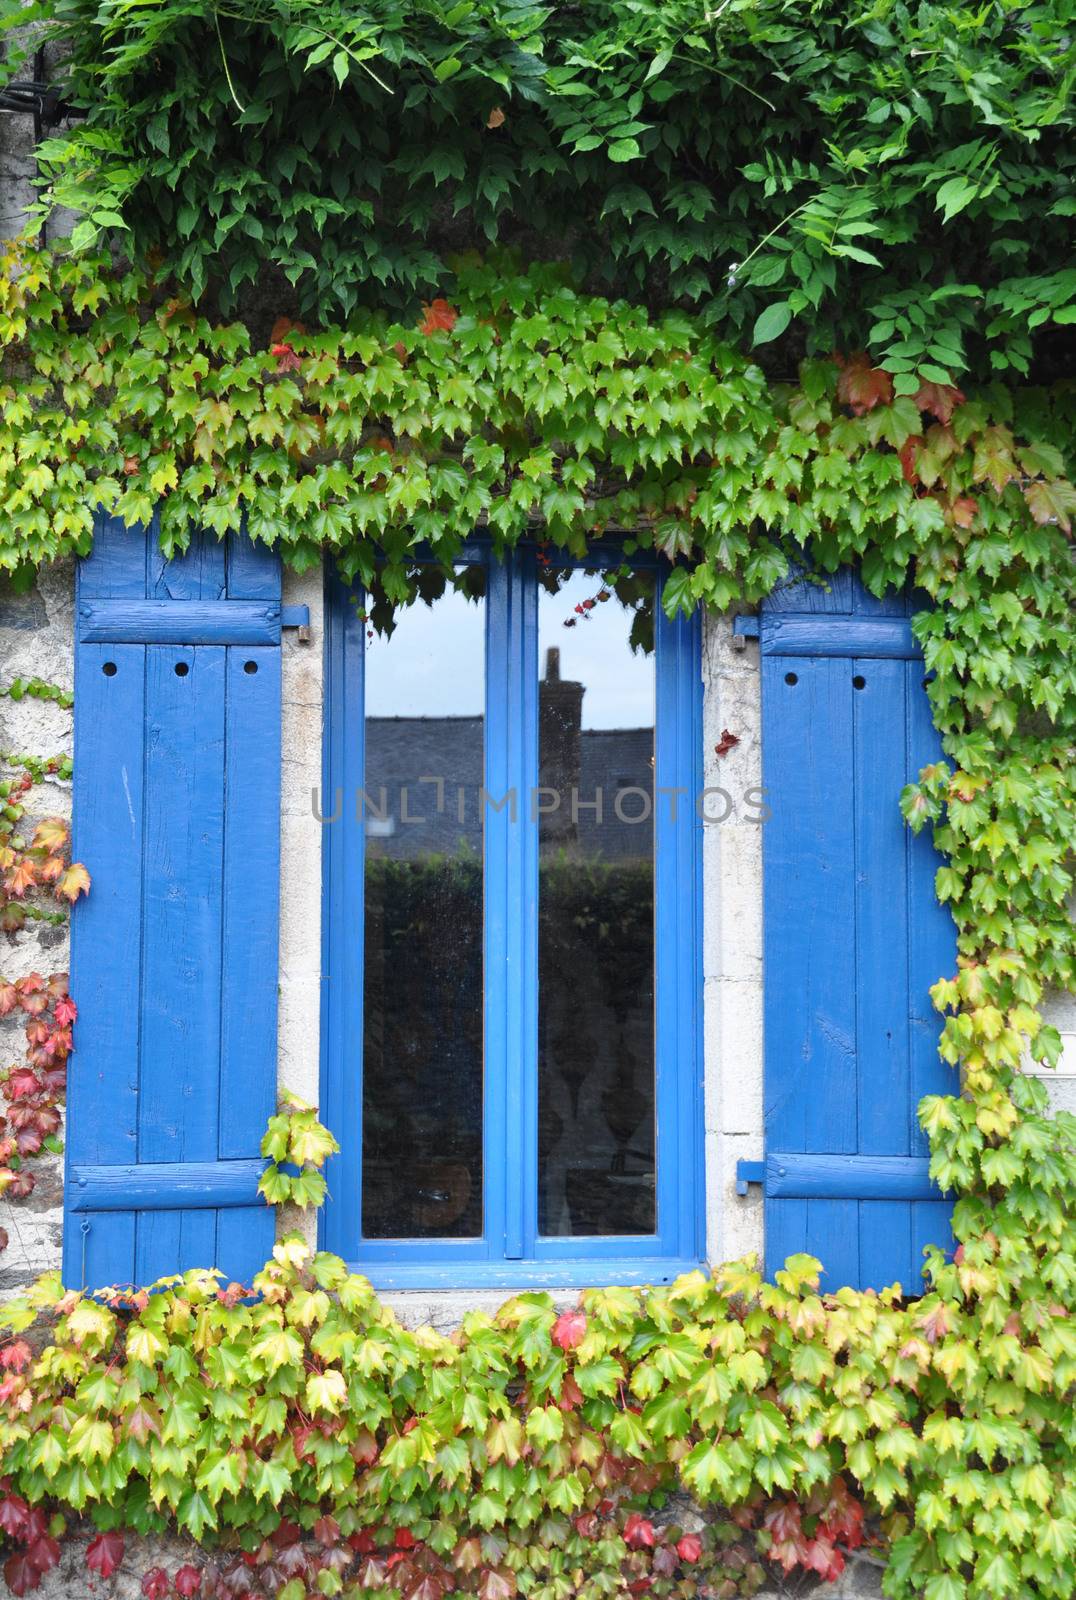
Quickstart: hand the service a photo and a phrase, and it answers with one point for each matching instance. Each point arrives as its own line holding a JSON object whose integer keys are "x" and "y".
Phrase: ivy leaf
{"x": 941, "y": 400}
{"x": 73, "y": 882}
{"x": 861, "y": 387}
{"x": 269, "y": 1480}
{"x": 21, "y": 1573}
{"x": 994, "y": 458}
{"x": 195, "y": 1513}
{"x": 104, "y": 1553}
{"x": 1052, "y": 502}
{"x": 326, "y": 1391}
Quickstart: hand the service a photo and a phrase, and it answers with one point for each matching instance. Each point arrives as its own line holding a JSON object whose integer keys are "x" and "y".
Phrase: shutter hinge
{"x": 744, "y": 628}
{"x": 749, "y": 1171}
{"x": 297, "y": 617}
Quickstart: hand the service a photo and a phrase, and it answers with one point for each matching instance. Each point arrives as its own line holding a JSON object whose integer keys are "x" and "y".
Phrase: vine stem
{"x": 224, "y": 62}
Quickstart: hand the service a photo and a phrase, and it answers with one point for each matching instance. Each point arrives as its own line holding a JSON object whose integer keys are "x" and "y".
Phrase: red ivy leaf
{"x": 156, "y": 1584}
{"x": 664, "y": 1561}
{"x": 21, "y": 1573}
{"x": 188, "y": 1581}
{"x": 44, "y": 1552}
{"x": 689, "y": 1548}
{"x": 142, "y": 1422}
{"x": 908, "y": 452}
{"x": 286, "y": 358}
{"x": 823, "y": 1557}
{"x": 497, "y": 1585}
{"x": 105, "y": 1553}
{"x": 963, "y": 510}
{"x": 569, "y": 1330}
{"x": 13, "y": 1513}
{"x": 861, "y": 387}
{"x": 638, "y": 1532}
{"x": 935, "y": 1323}
{"x": 940, "y": 399}
{"x": 16, "y": 1356}
{"x": 440, "y": 317}
{"x": 728, "y": 741}
{"x": 426, "y": 1587}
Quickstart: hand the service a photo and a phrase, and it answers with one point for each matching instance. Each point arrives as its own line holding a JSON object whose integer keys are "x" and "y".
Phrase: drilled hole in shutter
{"x": 182, "y": 668}
{"x": 250, "y": 666}
{"x": 109, "y": 669}
{"x": 791, "y": 678}
{"x": 859, "y": 682}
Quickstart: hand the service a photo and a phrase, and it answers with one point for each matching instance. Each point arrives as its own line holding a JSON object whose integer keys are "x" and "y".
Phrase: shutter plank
{"x": 106, "y": 939}
{"x": 881, "y": 938}
{"x": 181, "y": 941}
{"x": 250, "y": 922}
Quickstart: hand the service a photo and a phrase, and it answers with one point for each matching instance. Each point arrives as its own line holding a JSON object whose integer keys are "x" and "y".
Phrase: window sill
{"x": 593, "y": 1273}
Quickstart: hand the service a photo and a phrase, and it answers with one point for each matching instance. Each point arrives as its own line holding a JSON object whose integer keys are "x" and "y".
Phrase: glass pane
{"x": 422, "y": 1034}
{"x": 595, "y": 806}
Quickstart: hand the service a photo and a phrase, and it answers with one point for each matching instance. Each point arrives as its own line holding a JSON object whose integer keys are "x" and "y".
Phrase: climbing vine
{"x": 806, "y": 174}
{"x": 37, "y": 878}
{"x": 296, "y": 1147}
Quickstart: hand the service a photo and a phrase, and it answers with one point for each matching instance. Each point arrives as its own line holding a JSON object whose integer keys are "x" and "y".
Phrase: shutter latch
{"x": 297, "y": 617}
{"x": 749, "y": 1172}
{"x": 744, "y": 628}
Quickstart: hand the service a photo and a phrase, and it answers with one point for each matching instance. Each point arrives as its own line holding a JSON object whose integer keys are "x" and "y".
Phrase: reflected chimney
{"x": 560, "y": 721}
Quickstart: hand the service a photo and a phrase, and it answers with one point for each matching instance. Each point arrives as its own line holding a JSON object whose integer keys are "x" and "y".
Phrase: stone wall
{"x": 16, "y": 167}
{"x": 36, "y": 640}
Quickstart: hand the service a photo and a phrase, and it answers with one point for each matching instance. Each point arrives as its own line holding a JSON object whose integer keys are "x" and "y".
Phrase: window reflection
{"x": 596, "y": 1144}
{"x": 422, "y": 1034}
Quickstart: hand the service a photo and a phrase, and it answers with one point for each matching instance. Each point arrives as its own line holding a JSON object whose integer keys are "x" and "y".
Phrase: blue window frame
{"x": 511, "y": 1250}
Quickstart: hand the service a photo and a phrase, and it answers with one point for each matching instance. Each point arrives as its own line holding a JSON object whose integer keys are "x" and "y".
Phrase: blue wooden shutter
{"x": 854, "y": 937}
{"x": 174, "y": 951}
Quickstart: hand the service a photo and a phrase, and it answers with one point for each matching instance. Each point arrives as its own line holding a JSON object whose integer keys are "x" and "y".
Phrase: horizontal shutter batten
{"x": 811, "y": 634}
{"x": 190, "y": 622}
{"x": 166, "y": 1186}
{"x": 795, "y": 1176}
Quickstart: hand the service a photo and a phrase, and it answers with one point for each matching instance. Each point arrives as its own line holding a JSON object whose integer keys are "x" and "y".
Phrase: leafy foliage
{"x": 527, "y": 1453}
{"x": 891, "y": 175}
{"x": 297, "y": 1146}
{"x": 35, "y": 873}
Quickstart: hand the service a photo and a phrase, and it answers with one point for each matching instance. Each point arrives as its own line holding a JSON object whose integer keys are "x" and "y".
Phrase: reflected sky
{"x": 446, "y": 667}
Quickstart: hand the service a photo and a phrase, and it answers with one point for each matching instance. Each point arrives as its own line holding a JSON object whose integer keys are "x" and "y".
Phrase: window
{"x": 512, "y": 990}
